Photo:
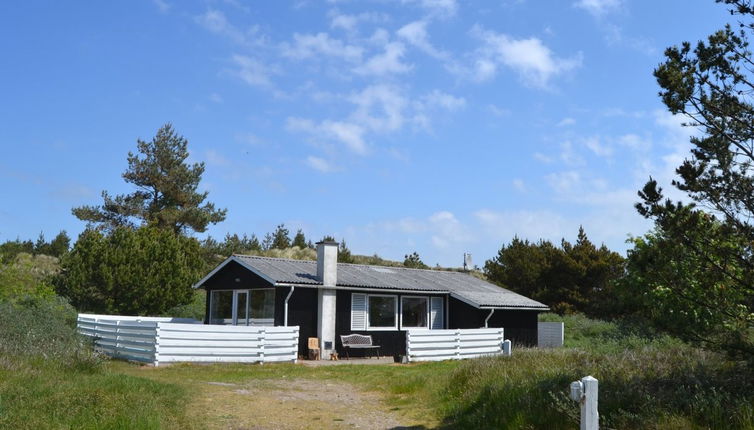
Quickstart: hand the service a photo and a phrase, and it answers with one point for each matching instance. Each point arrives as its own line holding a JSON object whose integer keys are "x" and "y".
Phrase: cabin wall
{"x": 520, "y": 325}
{"x": 232, "y": 277}
{"x": 392, "y": 342}
{"x": 302, "y": 312}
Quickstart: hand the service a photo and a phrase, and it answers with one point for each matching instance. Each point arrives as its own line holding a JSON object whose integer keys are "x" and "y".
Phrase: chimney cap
{"x": 327, "y": 242}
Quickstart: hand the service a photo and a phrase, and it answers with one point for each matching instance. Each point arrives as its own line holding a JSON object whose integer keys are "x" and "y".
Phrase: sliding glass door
{"x": 243, "y": 307}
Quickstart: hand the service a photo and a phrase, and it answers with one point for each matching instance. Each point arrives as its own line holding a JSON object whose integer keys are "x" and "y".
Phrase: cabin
{"x": 327, "y": 299}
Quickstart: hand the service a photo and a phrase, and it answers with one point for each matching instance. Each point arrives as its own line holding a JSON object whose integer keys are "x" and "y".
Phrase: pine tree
{"x": 299, "y": 240}
{"x": 166, "y": 193}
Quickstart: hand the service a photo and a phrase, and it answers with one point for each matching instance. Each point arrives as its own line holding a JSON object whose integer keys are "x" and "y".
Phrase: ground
{"x": 283, "y": 397}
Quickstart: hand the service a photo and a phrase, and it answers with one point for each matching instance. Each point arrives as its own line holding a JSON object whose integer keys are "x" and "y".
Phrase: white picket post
{"x": 590, "y": 418}
{"x": 585, "y": 392}
{"x": 507, "y": 348}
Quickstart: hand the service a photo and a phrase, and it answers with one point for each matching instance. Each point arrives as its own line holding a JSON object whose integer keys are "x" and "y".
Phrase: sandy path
{"x": 294, "y": 404}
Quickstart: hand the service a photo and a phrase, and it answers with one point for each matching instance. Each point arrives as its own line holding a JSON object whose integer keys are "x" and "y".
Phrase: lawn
{"x": 644, "y": 383}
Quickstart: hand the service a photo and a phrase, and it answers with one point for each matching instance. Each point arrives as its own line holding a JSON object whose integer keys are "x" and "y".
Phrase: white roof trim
{"x": 225, "y": 263}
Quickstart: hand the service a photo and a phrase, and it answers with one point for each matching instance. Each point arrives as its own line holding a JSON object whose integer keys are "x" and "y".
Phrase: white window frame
{"x": 234, "y": 304}
{"x": 395, "y": 313}
{"x": 429, "y": 312}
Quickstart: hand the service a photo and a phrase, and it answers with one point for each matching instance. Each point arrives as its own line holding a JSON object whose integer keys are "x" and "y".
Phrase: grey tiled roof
{"x": 461, "y": 285}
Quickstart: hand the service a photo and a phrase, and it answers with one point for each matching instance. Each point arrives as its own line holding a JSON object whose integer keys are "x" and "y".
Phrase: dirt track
{"x": 295, "y": 404}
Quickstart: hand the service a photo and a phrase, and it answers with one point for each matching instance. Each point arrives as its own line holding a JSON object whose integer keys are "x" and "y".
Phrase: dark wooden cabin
{"x": 327, "y": 299}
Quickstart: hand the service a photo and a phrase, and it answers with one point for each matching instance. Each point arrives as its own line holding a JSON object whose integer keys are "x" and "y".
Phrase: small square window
{"x": 414, "y": 312}
{"x": 382, "y": 312}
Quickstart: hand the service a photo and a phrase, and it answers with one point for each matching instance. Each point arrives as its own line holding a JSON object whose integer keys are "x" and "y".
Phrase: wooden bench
{"x": 358, "y": 341}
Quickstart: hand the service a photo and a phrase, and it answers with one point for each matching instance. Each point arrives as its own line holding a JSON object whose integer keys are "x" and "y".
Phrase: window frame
{"x": 428, "y": 313}
{"x": 234, "y": 305}
{"x": 396, "y": 315}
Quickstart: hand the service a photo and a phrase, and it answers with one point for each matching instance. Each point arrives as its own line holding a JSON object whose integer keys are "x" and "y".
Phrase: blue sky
{"x": 437, "y": 126}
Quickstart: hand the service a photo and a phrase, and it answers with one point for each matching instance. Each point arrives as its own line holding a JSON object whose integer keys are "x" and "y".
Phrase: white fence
{"x": 170, "y": 340}
{"x": 435, "y": 345}
{"x": 550, "y": 334}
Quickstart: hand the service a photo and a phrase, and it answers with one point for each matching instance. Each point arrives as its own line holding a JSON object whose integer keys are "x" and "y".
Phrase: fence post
{"x": 458, "y": 344}
{"x": 156, "y": 359}
{"x": 261, "y": 344}
{"x": 117, "y": 336}
{"x": 507, "y": 350}
{"x": 408, "y": 345}
{"x": 585, "y": 392}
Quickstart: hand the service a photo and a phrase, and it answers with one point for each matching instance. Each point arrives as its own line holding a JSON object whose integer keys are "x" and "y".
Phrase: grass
{"x": 654, "y": 383}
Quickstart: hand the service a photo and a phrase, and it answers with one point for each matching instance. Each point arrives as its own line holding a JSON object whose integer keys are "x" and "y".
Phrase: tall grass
{"x": 51, "y": 378}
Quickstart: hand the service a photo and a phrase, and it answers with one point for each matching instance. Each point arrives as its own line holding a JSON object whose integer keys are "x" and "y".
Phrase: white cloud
{"x": 569, "y": 155}
{"x": 350, "y": 23}
{"x": 349, "y": 134}
{"x": 215, "y": 158}
{"x": 597, "y": 147}
{"x": 390, "y": 61}
{"x": 534, "y": 62}
{"x": 519, "y": 185}
{"x": 216, "y": 22}
{"x": 162, "y": 5}
{"x": 566, "y": 121}
{"x": 314, "y": 45}
{"x": 441, "y": 8}
{"x": 542, "y": 157}
{"x": 319, "y": 164}
{"x": 253, "y": 71}
{"x": 598, "y": 8}
{"x": 415, "y": 33}
{"x": 443, "y": 100}
{"x": 217, "y": 98}
{"x": 379, "y": 107}
{"x": 564, "y": 182}
{"x": 498, "y": 111}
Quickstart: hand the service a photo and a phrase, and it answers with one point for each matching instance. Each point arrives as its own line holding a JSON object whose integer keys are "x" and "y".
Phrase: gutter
{"x": 492, "y": 311}
{"x": 285, "y": 312}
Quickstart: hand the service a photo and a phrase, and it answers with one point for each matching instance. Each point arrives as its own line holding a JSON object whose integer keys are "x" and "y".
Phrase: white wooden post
{"x": 156, "y": 359}
{"x": 458, "y": 344}
{"x": 261, "y": 344}
{"x": 585, "y": 392}
{"x": 507, "y": 348}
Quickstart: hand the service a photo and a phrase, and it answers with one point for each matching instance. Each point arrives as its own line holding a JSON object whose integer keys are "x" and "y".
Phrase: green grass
{"x": 50, "y": 379}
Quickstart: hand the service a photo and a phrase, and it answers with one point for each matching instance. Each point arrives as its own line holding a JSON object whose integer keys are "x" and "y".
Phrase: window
{"x": 242, "y": 307}
{"x": 221, "y": 307}
{"x": 383, "y": 312}
{"x": 263, "y": 307}
{"x": 414, "y": 312}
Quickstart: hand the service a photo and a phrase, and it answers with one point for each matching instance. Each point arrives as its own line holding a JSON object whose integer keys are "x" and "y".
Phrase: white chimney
{"x": 327, "y": 273}
{"x": 327, "y": 263}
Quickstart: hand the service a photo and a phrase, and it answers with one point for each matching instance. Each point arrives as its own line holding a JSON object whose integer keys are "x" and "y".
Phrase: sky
{"x": 435, "y": 126}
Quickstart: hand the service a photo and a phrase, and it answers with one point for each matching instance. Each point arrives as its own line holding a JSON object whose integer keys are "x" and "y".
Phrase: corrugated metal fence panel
{"x": 435, "y": 345}
{"x": 159, "y": 341}
{"x": 550, "y": 334}
{"x": 218, "y": 343}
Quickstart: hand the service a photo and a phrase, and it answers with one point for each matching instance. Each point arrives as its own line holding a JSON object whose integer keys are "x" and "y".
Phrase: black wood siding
{"x": 225, "y": 279}
{"x": 392, "y": 342}
{"x": 302, "y": 312}
{"x": 520, "y": 325}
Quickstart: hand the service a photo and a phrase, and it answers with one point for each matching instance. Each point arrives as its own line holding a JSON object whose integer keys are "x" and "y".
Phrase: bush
{"x": 646, "y": 385}
{"x": 36, "y": 331}
{"x": 130, "y": 272}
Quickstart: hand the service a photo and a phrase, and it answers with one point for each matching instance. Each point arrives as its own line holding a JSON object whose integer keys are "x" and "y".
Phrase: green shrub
{"x": 42, "y": 332}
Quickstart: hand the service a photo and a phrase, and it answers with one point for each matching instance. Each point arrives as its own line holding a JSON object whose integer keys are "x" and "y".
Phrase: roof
{"x": 467, "y": 288}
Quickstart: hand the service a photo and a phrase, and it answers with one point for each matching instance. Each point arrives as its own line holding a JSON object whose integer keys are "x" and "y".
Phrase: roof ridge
{"x": 354, "y": 264}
